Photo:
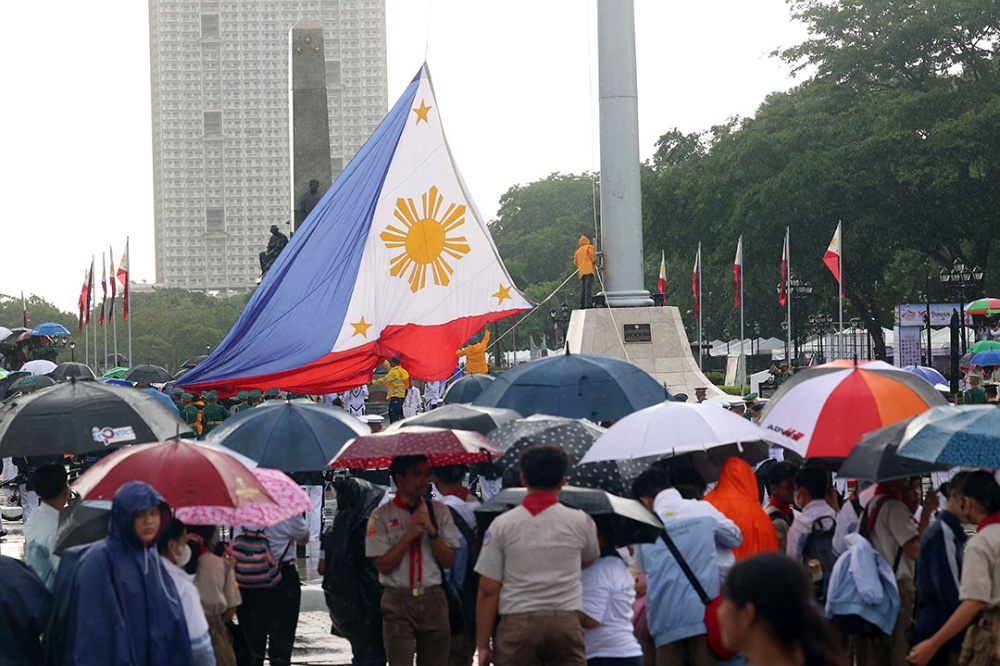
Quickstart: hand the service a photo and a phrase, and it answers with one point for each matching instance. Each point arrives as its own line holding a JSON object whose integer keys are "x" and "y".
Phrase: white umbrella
{"x": 38, "y": 367}
{"x": 677, "y": 428}
{"x": 5, "y": 333}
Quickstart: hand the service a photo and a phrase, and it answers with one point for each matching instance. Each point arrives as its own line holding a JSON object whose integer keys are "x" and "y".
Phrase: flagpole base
{"x": 626, "y": 299}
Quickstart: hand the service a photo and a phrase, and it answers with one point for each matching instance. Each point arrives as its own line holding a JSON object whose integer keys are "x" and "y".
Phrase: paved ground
{"x": 313, "y": 642}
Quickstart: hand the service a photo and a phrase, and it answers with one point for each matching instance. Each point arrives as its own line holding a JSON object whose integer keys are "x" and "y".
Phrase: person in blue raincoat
{"x": 122, "y": 606}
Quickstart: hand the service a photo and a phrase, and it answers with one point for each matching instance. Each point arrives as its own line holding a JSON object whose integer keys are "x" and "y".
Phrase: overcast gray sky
{"x": 516, "y": 83}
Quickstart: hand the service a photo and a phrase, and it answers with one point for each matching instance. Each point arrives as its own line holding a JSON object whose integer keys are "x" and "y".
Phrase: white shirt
{"x": 432, "y": 393}
{"x": 608, "y": 597}
{"x": 354, "y": 400}
{"x": 39, "y": 534}
{"x": 803, "y": 523}
{"x": 194, "y": 615}
{"x": 281, "y": 537}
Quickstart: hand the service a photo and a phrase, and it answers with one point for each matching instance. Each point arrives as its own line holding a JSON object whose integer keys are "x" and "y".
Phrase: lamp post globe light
{"x": 798, "y": 290}
{"x": 560, "y": 317}
{"x": 961, "y": 278}
{"x": 72, "y": 351}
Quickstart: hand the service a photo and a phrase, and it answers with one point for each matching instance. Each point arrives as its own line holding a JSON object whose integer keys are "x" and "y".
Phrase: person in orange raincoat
{"x": 584, "y": 259}
{"x": 737, "y": 498}
{"x": 475, "y": 355}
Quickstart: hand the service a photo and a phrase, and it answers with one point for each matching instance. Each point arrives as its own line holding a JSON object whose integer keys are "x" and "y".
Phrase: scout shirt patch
{"x": 393, "y": 523}
{"x": 371, "y": 528}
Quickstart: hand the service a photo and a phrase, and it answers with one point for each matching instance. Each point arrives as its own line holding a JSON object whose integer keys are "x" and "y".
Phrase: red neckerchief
{"x": 882, "y": 490}
{"x": 461, "y": 493}
{"x": 539, "y": 501}
{"x": 992, "y": 519}
{"x": 779, "y": 505}
{"x": 416, "y": 552}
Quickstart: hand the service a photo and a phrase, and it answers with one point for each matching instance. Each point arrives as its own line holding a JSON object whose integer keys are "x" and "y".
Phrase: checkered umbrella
{"x": 440, "y": 445}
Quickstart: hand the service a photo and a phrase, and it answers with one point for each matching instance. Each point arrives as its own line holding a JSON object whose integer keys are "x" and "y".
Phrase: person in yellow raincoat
{"x": 584, "y": 259}
{"x": 396, "y": 382}
{"x": 475, "y": 355}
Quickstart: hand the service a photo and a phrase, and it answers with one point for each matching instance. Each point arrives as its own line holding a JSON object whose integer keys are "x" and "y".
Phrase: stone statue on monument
{"x": 307, "y": 202}
{"x": 275, "y": 245}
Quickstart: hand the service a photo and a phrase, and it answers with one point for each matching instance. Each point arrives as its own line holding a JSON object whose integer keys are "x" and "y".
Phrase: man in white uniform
{"x": 354, "y": 400}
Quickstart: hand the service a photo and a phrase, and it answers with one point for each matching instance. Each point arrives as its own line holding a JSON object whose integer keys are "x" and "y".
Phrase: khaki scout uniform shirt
{"x": 980, "y": 578}
{"x": 538, "y": 559}
{"x": 419, "y": 569}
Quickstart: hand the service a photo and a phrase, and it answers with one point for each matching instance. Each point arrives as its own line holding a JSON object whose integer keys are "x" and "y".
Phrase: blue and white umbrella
{"x": 988, "y": 357}
{"x": 966, "y": 435}
{"x": 932, "y": 376}
{"x": 50, "y": 329}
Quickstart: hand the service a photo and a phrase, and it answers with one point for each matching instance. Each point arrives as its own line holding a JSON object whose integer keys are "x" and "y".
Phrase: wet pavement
{"x": 313, "y": 642}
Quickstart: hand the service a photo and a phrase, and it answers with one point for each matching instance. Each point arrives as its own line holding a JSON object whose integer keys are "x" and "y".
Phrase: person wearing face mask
{"x": 176, "y": 553}
{"x": 115, "y": 602}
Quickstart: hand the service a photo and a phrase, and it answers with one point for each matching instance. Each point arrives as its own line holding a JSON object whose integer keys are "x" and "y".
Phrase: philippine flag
{"x": 395, "y": 260}
{"x": 661, "y": 282}
{"x": 738, "y": 274}
{"x": 696, "y": 284}
{"x": 832, "y": 258}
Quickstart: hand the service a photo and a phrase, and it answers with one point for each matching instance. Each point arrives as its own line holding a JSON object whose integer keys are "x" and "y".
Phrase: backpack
{"x": 470, "y": 581}
{"x": 819, "y": 546}
{"x": 253, "y": 564}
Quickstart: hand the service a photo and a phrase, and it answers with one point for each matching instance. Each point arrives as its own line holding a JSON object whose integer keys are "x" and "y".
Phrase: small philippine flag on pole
{"x": 738, "y": 274}
{"x": 832, "y": 257}
{"x": 661, "y": 283}
{"x": 696, "y": 284}
{"x": 783, "y": 290}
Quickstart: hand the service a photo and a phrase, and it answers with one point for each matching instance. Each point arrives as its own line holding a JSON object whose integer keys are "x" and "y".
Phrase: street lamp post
{"x": 756, "y": 335}
{"x": 960, "y": 278}
{"x": 855, "y": 323}
{"x": 797, "y": 290}
{"x": 72, "y": 351}
{"x": 560, "y": 318}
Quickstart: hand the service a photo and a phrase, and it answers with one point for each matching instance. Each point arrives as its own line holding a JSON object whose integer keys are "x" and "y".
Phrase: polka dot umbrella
{"x": 575, "y": 436}
{"x": 441, "y": 446}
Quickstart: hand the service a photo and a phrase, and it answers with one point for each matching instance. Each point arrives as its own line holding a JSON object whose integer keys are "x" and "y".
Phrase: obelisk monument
{"x": 308, "y": 119}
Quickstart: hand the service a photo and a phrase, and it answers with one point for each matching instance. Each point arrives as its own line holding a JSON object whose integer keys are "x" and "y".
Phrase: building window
{"x": 332, "y": 73}
{"x": 209, "y": 26}
{"x": 215, "y": 221}
{"x": 213, "y": 123}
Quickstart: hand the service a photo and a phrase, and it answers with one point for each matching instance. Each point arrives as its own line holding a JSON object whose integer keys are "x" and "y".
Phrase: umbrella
{"x": 39, "y": 367}
{"x": 162, "y": 397}
{"x": 930, "y": 374}
{"x": 442, "y": 447}
{"x": 50, "y": 329}
{"x": 988, "y": 357}
{"x": 967, "y": 436}
{"x": 192, "y": 362}
{"x": 983, "y": 345}
{"x": 822, "y": 412}
{"x": 30, "y": 384}
{"x": 147, "y": 374}
{"x": 290, "y": 497}
{"x": 116, "y": 373}
{"x": 184, "y": 473}
{"x": 674, "y": 429}
{"x": 71, "y": 369}
{"x": 575, "y": 436}
{"x": 625, "y": 521}
{"x": 875, "y": 459}
{"x": 290, "y": 436}
{"x": 460, "y": 417}
{"x": 4, "y": 333}
{"x": 467, "y": 388}
{"x": 116, "y": 382}
{"x": 79, "y": 417}
{"x": 81, "y": 522}
{"x": 599, "y": 388}
{"x": 984, "y": 306}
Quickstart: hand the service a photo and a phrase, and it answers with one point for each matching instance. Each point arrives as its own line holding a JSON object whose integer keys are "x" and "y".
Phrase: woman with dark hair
{"x": 785, "y": 629}
{"x": 175, "y": 552}
{"x": 980, "y": 588}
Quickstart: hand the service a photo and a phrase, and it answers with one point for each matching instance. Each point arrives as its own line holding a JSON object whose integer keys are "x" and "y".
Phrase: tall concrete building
{"x": 219, "y": 73}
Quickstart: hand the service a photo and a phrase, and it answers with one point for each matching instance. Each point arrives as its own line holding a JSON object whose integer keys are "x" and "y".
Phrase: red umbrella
{"x": 184, "y": 473}
{"x": 442, "y": 446}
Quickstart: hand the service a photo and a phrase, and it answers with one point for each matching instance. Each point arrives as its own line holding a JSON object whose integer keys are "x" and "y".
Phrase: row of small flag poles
{"x": 86, "y": 303}
{"x": 832, "y": 259}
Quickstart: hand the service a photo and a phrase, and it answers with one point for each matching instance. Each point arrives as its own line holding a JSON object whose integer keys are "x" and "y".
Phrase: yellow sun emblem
{"x": 424, "y": 239}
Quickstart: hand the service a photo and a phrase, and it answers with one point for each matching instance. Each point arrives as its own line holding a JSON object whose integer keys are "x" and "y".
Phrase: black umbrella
{"x": 461, "y": 417}
{"x": 874, "y": 458}
{"x": 71, "y": 369}
{"x": 148, "y": 374}
{"x": 82, "y": 522}
{"x": 623, "y": 521}
{"x": 295, "y": 436}
{"x": 599, "y": 388}
{"x": 82, "y": 416}
{"x": 467, "y": 388}
{"x": 30, "y": 384}
{"x": 575, "y": 436}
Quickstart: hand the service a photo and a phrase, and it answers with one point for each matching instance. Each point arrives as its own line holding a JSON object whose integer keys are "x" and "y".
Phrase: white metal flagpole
{"x": 114, "y": 297}
{"x": 840, "y": 296}
{"x": 743, "y": 348}
{"x": 128, "y": 279}
{"x": 104, "y": 325}
{"x": 701, "y": 308}
{"x": 788, "y": 292}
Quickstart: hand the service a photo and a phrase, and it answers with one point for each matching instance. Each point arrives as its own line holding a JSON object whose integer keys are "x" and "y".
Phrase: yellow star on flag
{"x": 422, "y": 112}
{"x": 361, "y": 328}
{"x": 503, "y": 293}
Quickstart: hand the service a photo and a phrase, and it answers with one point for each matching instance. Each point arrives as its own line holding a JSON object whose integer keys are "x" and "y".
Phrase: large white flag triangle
{"x": 395, "y": 260}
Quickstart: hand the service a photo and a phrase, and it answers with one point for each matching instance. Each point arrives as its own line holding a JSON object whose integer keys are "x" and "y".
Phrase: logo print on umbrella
{"x": 791, "y": 433}
{"x": 242, "y": 490}
{"x": 108, "y": 435}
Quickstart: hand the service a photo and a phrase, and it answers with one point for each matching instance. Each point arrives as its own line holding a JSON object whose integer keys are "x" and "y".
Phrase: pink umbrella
{"x": 442, "y": 446}
{"x": 290, "y": 497}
